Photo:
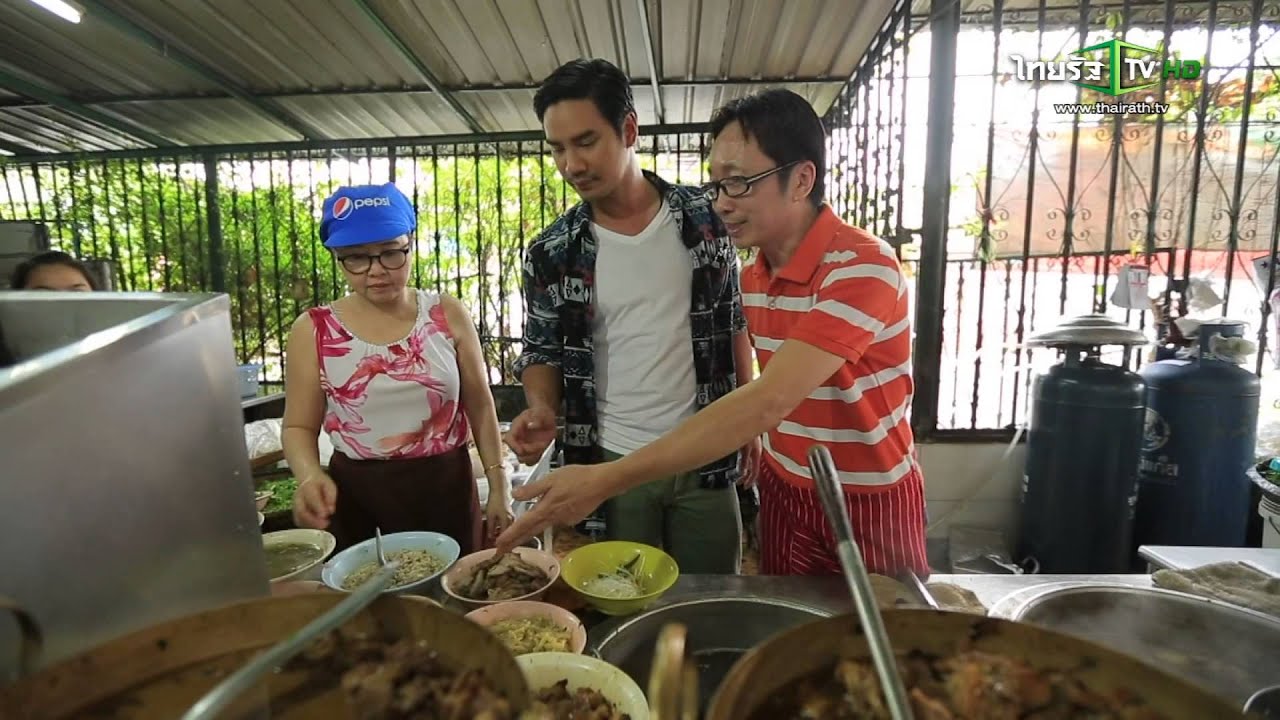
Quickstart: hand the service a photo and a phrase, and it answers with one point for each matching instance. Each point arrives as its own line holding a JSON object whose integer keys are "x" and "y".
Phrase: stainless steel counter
{"x": 829, "y": 594}
{"x": 1182, "y": 558}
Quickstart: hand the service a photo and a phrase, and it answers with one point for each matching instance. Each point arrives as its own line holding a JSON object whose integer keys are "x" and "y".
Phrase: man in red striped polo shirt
{"x": 827, "y": 309}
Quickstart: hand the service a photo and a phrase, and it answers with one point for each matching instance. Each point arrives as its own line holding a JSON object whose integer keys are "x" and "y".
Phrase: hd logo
{"x": 344, "y": 206}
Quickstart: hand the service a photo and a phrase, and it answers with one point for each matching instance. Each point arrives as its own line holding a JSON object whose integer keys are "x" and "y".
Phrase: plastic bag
{"x": 262, "y": 437}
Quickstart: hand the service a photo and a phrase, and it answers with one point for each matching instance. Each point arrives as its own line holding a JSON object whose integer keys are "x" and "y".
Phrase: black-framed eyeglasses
{"x": 390, "y": 259}
{"x": 737, "y": 185}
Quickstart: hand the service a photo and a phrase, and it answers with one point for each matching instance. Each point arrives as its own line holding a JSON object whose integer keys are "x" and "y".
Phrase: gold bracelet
{"x": 494, "y": 466}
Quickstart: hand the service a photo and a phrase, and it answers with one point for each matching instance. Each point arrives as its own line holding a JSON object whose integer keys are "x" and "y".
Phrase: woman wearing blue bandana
{"x": 396, "y": 378}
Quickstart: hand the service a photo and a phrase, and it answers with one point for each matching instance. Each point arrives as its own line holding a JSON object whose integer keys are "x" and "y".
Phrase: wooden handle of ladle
{"x": 32, "y": 641}
{"x": 673, "y": 681}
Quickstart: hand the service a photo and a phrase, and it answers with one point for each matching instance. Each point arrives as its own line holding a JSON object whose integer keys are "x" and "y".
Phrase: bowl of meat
{"x": 481, "y": 579}
{"x": 565, "y": 686}
{"x": 528, "y": 627}
{"x": 423, "y": 557}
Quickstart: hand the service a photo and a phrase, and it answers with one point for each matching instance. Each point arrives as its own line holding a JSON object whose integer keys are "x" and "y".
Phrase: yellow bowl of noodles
{"x": 619, "y": 577}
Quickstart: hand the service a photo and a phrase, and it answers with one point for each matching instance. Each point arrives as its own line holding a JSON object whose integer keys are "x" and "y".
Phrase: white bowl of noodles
{"x": 424, "y": 557}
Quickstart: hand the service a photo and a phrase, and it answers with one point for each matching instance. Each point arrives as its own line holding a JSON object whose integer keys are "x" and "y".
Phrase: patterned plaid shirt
{"x": 559, "y": 275}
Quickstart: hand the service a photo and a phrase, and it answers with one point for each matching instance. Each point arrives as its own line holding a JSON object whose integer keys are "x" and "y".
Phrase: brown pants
{"x": 436, "y": 493}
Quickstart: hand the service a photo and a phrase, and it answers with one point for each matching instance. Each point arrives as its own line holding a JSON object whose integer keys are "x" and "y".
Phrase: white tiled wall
{"x": 981, "y": 473}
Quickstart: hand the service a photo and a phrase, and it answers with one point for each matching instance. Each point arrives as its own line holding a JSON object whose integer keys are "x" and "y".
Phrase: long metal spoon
{"x": 823, "y": 469}
{"x": 217, "y": 699}
{"x": 922, "y": 591}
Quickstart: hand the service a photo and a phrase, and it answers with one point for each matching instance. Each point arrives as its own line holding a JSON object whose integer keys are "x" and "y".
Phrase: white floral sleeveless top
{"x": 391, "y": 401}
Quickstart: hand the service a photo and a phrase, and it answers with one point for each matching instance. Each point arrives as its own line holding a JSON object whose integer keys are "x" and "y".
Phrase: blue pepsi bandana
{"x": 366, "y": 214}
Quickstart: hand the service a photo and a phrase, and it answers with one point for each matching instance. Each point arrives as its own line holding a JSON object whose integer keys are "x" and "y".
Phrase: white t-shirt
{"x": 645, "y": 381}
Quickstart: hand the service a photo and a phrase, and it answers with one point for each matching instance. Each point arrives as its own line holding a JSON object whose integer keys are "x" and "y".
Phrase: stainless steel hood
{"x": 125, "y": 491}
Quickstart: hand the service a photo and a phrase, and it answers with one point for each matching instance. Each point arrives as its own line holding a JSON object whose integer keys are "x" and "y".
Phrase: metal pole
{"x": 217, "y": 261}
{"x": 927, "y": 356}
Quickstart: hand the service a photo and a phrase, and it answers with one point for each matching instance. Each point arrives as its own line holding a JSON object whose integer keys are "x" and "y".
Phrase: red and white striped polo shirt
{"x": 842, "y": 291}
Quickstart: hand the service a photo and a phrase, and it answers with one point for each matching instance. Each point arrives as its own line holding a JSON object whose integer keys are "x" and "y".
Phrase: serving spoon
{"x": 823, "y": 469}
{"x": 217, "y": 699}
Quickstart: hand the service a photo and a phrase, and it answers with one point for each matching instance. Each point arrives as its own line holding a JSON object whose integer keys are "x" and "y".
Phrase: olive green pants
{"x": 700, "y": 528}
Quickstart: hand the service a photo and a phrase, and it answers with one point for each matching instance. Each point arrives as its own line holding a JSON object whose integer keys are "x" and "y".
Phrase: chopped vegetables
{"x": 282, "y": 490}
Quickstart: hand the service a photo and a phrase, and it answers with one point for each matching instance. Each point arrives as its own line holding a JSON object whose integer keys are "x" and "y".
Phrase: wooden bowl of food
{"x": 480, "y": 579}
{"x": 971, "y": 666}
{"x": 379, "y": 662}
{"x": 532, "y": 627}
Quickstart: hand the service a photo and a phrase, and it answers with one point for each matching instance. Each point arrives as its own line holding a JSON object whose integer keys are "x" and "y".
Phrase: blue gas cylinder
{"x": 1082, "y": 468}
{"x": 1198, "y": 446}
{"x": 1083, "y": 446}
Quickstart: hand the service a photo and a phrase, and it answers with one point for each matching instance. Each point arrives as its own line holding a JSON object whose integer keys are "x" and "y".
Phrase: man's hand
{"x": 749, "y": 463}
{"x": 531, "y": 433}
{"x": 564, "y": 497}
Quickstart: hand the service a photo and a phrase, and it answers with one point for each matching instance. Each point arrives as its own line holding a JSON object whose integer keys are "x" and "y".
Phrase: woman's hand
{"x": 497, "y": 516}
{"x": 314, "y": 501}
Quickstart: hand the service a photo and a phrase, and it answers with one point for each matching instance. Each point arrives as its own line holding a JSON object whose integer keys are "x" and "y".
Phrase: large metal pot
{"x": 719, "y": 632}
{"x": 161, "y": 671}
{"x": 1224, "y": 648}
{"x": 813, "y": 647}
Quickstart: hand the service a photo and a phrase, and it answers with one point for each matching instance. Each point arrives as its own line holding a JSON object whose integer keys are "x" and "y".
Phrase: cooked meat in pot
{"x": 385, "y": 680}
{"x": 970, "y": 685}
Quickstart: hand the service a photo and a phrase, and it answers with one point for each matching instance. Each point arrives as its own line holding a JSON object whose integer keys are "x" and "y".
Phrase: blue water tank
{"x": 1201, "y": 424}
{"x": 1081, "y": 474}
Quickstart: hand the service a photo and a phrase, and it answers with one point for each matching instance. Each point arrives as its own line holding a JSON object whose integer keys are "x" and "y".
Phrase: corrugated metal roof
{"x": 208, "y": 72}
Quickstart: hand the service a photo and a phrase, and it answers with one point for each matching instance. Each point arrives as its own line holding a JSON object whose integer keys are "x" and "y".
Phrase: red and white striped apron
{"x": 795, "y": 538}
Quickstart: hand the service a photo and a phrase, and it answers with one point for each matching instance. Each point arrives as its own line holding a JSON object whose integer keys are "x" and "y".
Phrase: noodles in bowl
{"x": 526, "y": 627}
{"x": 615, "y": 586}
{"x": 415, "y": 565}
{"x": 423, "y": 556}
{"x": 618, "y": 577}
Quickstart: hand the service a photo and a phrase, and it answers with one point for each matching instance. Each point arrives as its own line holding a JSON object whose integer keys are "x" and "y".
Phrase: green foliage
{"x": 476, "y": 215}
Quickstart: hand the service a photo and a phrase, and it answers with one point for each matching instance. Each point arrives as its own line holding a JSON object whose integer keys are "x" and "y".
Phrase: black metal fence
{"x": 247, "y": 223}
{"x": 1046, "y": 205}
{"x": 1008, "y": 211}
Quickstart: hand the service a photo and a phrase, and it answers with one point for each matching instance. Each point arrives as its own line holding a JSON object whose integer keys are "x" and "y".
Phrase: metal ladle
{"x": 823, "y": 469}
{"x": 217, "y": 699}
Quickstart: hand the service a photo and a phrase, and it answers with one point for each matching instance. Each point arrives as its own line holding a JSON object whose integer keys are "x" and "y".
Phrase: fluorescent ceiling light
{"x": 63, "y": 9}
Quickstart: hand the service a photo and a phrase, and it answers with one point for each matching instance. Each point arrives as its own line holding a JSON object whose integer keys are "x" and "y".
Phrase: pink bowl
{"x": 516, "y": 609}
{"x": 462, "y": 570}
